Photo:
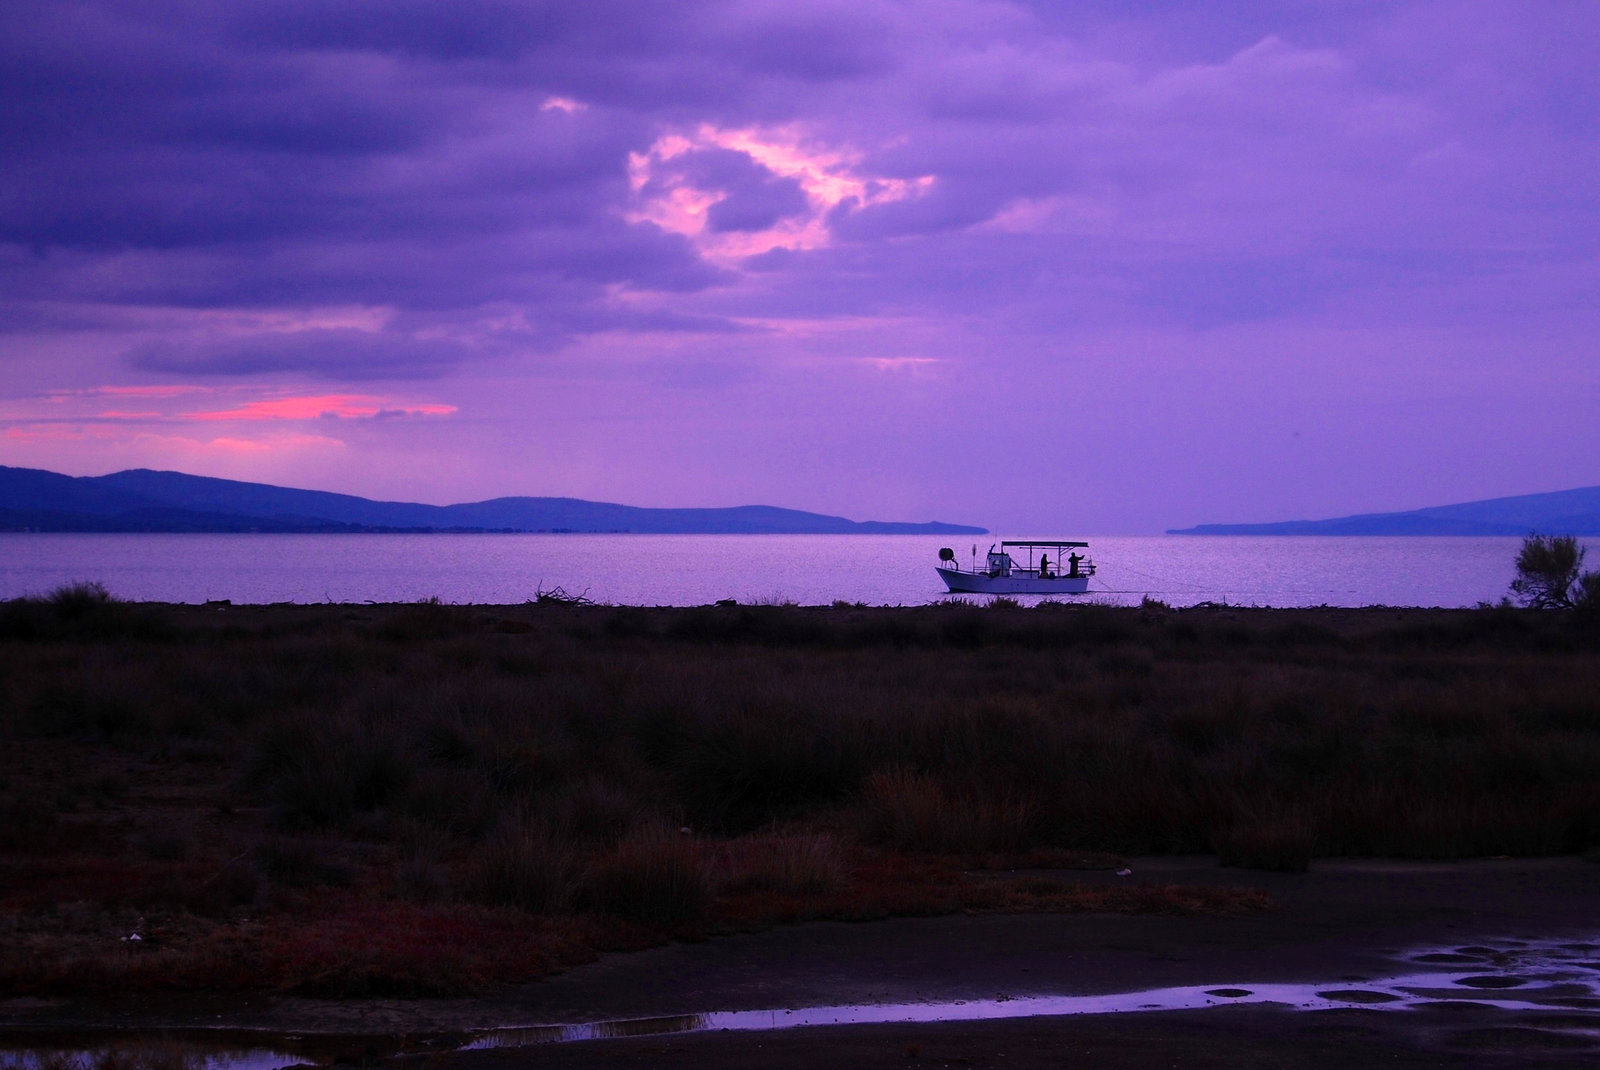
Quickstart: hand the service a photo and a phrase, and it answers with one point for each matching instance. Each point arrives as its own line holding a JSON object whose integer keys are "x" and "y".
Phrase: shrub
{"x": 597, "y": 810}
{"x": 457, "y": 801}
{"x": 914, "y": 812}
{"x": 524, "y": 866}
{"x": 658, "y": 877}
{"x": 420, "y": 877}
{"x": 81, "y": 610}
{"x": 1587, "y": 598}
{"x": 76, "y": 599}
{"x": 787, "y": 865}
{"x": 1547, "y": 571}
{"x": 319, "y": 774}
{"x": 745, "y": 767}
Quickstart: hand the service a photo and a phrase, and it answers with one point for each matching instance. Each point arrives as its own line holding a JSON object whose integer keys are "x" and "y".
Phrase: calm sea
{"x": 698, "y": 569}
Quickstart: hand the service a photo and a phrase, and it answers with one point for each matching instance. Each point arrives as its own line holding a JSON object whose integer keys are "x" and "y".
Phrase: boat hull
{"x": 982, "y": 583}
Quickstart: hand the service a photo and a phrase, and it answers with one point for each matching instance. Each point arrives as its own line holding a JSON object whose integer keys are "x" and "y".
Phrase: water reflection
{"x": 1544, "y": 977}
{"x": 1559, "y": 983}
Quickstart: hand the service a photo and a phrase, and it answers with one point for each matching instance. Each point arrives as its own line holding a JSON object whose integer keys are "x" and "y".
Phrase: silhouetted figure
{"x": 1044, "y": 566}
{"x": 1072, "y": 564}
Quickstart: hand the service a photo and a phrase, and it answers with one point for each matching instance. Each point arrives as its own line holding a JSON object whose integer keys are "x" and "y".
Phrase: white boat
{"x": 1068, "y": 573}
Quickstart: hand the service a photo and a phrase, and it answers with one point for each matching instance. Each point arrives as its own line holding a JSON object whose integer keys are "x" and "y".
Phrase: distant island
{"x": 1562, "y": 512}
{"x": 141, "y": 500}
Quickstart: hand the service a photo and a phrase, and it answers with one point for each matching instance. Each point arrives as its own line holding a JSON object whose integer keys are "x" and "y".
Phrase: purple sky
{"x": 1060, "y": 268}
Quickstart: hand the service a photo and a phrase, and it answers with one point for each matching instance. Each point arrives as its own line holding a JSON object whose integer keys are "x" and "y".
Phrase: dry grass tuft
{"x": 657, "y": 877}
{"x": 793, "y": 865}
{"x": 522, "y": 865}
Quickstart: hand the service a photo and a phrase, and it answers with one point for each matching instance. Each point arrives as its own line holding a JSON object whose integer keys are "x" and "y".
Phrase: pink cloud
{"x": 829, "y": 176}
{"x": 900, "y": 364}
{"x": 319, "y": 406}
{"x": 40, "y": 434}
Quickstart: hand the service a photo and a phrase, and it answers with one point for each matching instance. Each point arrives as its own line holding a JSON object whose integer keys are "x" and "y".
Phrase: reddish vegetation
{"x": 69, "y": 918}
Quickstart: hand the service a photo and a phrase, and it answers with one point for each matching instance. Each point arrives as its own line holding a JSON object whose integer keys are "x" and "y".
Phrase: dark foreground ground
{"x": 1340, "y": 926}
{"x": 385, "y": 829}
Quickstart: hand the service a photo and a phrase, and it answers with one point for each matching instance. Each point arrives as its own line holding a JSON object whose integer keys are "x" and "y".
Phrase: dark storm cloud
{"x": 424, "y": 157}
{"x": 503, "y": 30}
{"x": 454, "y": 160}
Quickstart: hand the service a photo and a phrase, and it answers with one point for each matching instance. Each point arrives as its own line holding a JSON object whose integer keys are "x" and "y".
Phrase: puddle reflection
{"x": 1518, "y": 976}
{"x": 1534, "y": 977}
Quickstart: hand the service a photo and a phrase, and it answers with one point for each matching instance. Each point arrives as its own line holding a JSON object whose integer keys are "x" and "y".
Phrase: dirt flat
{"x": 1342, "y": 924}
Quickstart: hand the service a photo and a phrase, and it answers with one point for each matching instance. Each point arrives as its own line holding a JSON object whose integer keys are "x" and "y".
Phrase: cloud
{"x": 901, "y": 364}
{"x": 553, "y": 158}
{"x": 741, "y": 193}
{"x": 300, "y": 198}
{"x": 342, "y": 353}
{"x": 321, "y": 407}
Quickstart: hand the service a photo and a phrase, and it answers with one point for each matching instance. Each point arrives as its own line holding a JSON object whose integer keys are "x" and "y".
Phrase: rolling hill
{"x": 1562, "y": 512}
{"x": 143, "y": 500}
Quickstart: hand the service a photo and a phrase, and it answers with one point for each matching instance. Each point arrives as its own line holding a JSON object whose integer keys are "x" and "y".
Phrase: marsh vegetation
{"x": 434, "y": 799}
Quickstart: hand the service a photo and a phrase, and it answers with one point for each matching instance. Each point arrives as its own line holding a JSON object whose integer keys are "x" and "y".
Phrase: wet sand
{"x": 1342, "y": 924}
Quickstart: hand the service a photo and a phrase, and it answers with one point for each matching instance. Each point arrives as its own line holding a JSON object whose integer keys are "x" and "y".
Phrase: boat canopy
{"x": 1044, "y": 543}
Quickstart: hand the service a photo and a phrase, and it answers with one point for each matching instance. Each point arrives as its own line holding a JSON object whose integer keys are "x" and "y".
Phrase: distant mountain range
{"x": 140, "y": 500}
{"x": 1562, "y": 512}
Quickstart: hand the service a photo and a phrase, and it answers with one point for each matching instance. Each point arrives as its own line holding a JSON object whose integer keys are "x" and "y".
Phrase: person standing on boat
{"x": 1044, "y": 566}
{"x": 1072, "y": 564}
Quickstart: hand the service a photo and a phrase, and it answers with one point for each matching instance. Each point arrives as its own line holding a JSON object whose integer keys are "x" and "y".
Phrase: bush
{"x": 913, "y": 812}
{"x": 1547, "y": 571}
{"x": 1587, "y": 599}
{"x": 788, "y": 865}
{"x": 74, "y": 600}
{"x": 320, "y": 774}
{"x": 524, "y": 866}
{"x": 658, "y": 877}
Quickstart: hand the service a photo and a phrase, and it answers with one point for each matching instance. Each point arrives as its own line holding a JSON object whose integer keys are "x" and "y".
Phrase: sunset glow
{"x": 827, "y": 177}
{"x": 321, "y": 407}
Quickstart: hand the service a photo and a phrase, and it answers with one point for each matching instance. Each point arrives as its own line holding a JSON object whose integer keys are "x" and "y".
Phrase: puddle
{"x": 1357, "y": 995}
{"x": 1527, "y": 977}
{"x": 1553, "y": 981}
{"x": 1492, "y": 982}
